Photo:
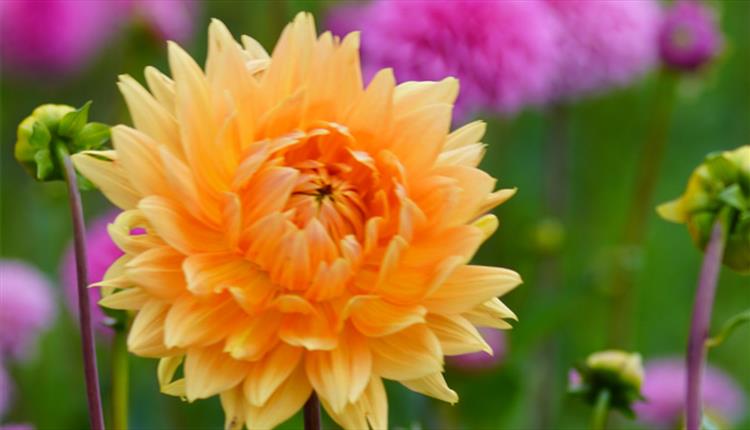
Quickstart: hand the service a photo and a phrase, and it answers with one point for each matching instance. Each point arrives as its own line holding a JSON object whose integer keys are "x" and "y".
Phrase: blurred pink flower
{"x": 168, "y": 19}
{"x": 101, "y": 253}
{"x": 504, "y": 53}
{"x": 54, "y": 36}
{"x": 16, "y": 426}
{"x": 481, "y": 360}
{"x": 689, "y": 36}
{"x": 664, "y": 390}
{"x": 5, "y": 390}
{"x": 26, "y": 307}
{"x": 604, "y": 43}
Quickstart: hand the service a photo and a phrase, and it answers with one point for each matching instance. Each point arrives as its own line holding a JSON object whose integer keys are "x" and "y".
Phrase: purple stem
{"x": 96, "y": 416}
{"x": 699, "y": 326}
{"x": 312, "y": 412}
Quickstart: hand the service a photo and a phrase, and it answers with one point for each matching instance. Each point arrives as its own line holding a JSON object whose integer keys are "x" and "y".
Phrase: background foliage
{"x": 607, "y": 134}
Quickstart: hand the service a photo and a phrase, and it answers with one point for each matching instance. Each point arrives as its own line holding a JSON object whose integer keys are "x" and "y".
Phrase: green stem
{"x": 641, "y": 207}
{"x": 120, "y": 378}
{"x": 601, "y": 411}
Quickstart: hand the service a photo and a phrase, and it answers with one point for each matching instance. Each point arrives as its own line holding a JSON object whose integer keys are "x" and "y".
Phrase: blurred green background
{"x": 607, "y": 134}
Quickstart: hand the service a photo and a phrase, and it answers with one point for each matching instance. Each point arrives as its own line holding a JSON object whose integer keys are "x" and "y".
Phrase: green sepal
{"x": 73, "y": 122}
{"x": 45, "y": 167}
{"x": 92, "y": 136}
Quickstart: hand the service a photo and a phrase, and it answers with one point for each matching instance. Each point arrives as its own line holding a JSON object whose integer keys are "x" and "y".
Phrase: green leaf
{"x": 73, "y": 122}
{"x": 93, "y": 136}
{"x": 734, "y": 197}
{"x": 729, "y": 326}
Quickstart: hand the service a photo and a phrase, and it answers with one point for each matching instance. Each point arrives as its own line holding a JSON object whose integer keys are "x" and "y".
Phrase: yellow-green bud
{"x": 718, "y": 189}
{"x": 618, "y": 372}
{"x": 51, "y": 128}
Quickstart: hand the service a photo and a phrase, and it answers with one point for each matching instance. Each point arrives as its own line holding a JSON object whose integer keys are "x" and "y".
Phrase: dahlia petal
{"x": 114, "y": 278}
{"x": 370, "y": 115}
{"x": 457, "y": 335}
{"x": 430, "y": 250}
{"x": 232, "y": 219}
{"x": 128, "y": 299}
{"x": 253, "y": 48}
{"x": 183, "y": 183}
{"x": 200, "y": 322}
{"x": 312, "y": 331}
{"x": 146, "y": 337}
{"x": 290, "y": 60}
{"x": 103, "y": 169}
{"x": 475, "y": 185}
{"x": 375, "y": 317}
{"x": 470, "y": 286}
{"x": 233, "y": 403}
{"x": 497, "y": 198}
{"x": 149, "y": 115}
{"x": 468, "y": 156}
{"x": 487, "y": 224}
{"x": 120, "y": 231}
{"x": 491, "y": 313}
{"x": 165, "y": 373}
{"x": 139, "y": 153}
{"x": 178, "y": 228}
{"x": 266, "y": 376}
{"x": 467, "y": 135}
{"x": 433, "y": 385}
{"x": 197, "y": 129}
{"x": 421, "y": 135}
{"x": 284, "y": 402}
{"x": 391, "y": 259}
{"x": 158, "y": 272}
{"x": 412, "y": 96}
{"x": 209, "y": 371}
{"x": 371, "y": 408}
{"x": 268, "y": 192}
{"x": 216, "y": 272}
{"x": 163, "y": 90}
{"x": 252, "y": 341}
{"x": 340, "y": 376}
{"x": 411, "y": 353}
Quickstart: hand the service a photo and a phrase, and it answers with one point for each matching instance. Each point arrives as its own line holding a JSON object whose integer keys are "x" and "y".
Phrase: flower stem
{"x": 601, "y": 411}
{"x": 312, "y": 412}
{"x": 649, "y": 166}
{"x": 96, "y": 416}
{"x": 699, "y": 325}
{"x": 120, "y": 375}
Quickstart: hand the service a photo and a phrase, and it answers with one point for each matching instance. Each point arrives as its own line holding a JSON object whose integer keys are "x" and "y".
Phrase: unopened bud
{"x": 618, "y": 372}
{"x": 719, "y": 189}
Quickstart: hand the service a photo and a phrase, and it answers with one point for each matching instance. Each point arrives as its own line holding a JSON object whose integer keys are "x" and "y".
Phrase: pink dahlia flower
{"x": 504, "y": 53}
{"x": 481, "y": 360}
{"x": 54, "y": 36}
{"x": 101, "y": 253}
{"x": 604, "y": 43}
{"x": 168, "y": 19}
{"x": 26, "y": 307}
{"x": 689, "y": 36}
{"x": 17, "y": 426}
{"x": 664, "y": 390}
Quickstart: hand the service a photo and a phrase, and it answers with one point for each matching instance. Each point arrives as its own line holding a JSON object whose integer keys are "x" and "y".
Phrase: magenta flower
{"x": 504, "y": 53}
{"x": 5, "y": 391}
{"x": 22, "y": 426}
{"x": 476, "y": 361}
{"x": 54, "y": 36}
{"x": 689, "y": 36}
{"x": 26, "y": 307}
{"x": 167, "y": 19}
{"x": 102, "y": 252}
{"x": 664, "y": 390}
{"x": 604, "y": 43}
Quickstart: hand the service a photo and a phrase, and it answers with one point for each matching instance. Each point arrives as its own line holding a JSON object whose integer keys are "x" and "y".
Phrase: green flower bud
{"x": 718, "y": 189}
{"x": 50, "y": 129}
{"x": 618, "y": 372}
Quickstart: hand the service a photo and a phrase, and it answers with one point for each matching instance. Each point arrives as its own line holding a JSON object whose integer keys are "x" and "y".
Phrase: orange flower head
{"x": 288, "y": 230}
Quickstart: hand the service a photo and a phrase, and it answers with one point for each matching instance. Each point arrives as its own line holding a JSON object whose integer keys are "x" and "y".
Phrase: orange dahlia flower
{"x": 286, "y": 229}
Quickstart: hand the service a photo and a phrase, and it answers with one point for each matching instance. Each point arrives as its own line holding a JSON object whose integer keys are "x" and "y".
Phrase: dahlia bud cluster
{"x": 618, "y": 372}
{"x": 52, "y": 129}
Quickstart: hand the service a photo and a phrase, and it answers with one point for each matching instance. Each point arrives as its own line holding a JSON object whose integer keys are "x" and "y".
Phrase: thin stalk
{"x": 96, "y": 416}
{"x": 699, "y": 325}
{"x": 601, "y": 411}
{"x": 312, "y": 412}
{"x": 120, "y": 375}
{"x": 641, "y": 206}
